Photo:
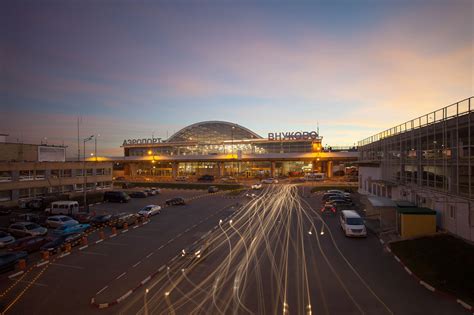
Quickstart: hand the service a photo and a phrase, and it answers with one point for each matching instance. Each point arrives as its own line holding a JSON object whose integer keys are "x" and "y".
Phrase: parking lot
{"x": 139, "y": 247}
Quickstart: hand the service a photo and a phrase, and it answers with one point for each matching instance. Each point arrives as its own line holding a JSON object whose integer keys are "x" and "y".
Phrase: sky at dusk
{"x": 136, "y": 68}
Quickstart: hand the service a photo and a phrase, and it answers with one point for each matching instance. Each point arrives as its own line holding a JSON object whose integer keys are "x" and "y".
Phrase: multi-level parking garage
{"x": 429, "y": 161}
{"x": 227, "y": 149}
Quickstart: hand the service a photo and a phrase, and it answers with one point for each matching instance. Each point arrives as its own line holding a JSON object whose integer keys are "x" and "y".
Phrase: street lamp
{"x": 84, "y": 172}
{"x": 95, "y": 146}
{"x": 232, "y": 152}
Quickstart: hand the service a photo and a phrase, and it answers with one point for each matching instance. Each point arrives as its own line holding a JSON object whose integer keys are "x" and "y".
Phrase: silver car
{"x": 60, "y": 220}
{"x": 21, "y": 229}
{"x": 5, "y": 239}
{"x": 150, "y": 210}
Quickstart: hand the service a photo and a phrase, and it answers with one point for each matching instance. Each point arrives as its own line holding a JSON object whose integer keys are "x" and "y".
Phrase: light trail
{"x": 261, "y": 261}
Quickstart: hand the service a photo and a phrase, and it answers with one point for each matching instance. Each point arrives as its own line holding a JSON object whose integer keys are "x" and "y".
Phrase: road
{"x": 274, "y": 254}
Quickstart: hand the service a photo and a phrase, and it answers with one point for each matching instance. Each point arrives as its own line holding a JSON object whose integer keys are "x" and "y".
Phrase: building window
{"x": 79, "y": 187}
{"x": 66, "y": 173}
{"x": 5, "y": 176}
{"x": 40, "y": 175}
{"x": 452, "y": 211}
{"x": 55, "y": 173}
{"x": 26, "y": 175}
{"x": 24, "y": 193}
{"x": 5, "y": 195}
{"x": 41, "y": 191}
{"x": 100, "y": 171}
{"x": 68, "y": 188}
{"x": 79, "y": 172}
{"x": 89, "y": 172}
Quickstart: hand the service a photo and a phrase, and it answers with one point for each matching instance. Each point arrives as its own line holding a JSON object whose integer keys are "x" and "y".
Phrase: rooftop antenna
{"x": 317, "y": 130}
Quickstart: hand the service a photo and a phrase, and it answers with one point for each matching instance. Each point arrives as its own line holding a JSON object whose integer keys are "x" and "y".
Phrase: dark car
{"x": 328, "y": 208}
{"x": 116, "y": 196}
{"x": 341, "y": 203}
{"x": 26, "y": 217}
{"x": 56, "y": 244}
{"x": 100, "y": 220}
{"x": 326, "y": 196}
{"x": 5, "y": 211}
{"x": 28, "y": 244}
{"x": 82, "y": 217}
{"x": 120, "y": 219}
{"x": 138, "y": 194}
{"x": 175, "y": 201}
{"x": 212, "y": 189}
{"x": 9, "y": 260}
{"x": 206, "y": 178}
{"x": 195, "y": 251}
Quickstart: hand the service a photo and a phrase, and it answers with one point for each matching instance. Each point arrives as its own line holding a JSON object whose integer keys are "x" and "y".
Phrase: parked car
{"x": 58, "y": 243}
{"x": 116, "y": 196}
{"x": 149, "y": 192}
{"x": 100, "y": 220}
{"x": 195, "y": 251}
{"x": 138, "y": 194}
{"x": 181, "y": 178}
{"x": 5, "y": 211}
{"x": 250, "y": 195}
{"x": 328, "y": 208}
{"x": 8, "y": 261}
{"x": 340, "y": 197}
{"x": 21, "y": 229}
{"x": 28, "y": 244}
{"x": 150, "y": 210}
{"x": 82, "y": 217}
{"x": 326, "y": 196}
{"x": 270, "y": 180}
{"x": 25, "y": 217}
{"x": 71, "y": 229}
{"x": 59, "y": 220}
{"x": 175, "y": 201}
{"x": 337, "y": 191}
{"x": 229, "y": 179}
{"x": 206, "y": 178}
{"x": 156, "y": 190}
{"x": 212, "y": 189}
{"x": 120, "y": 219}
{"x": 352, "y": 224}
{"x": 6, "y": 239}
{"x": 341, "y": 203}
{"x": 257, "y": 186}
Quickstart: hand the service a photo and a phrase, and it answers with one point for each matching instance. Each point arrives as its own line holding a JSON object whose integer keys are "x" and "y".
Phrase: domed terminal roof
{"x": 213, "y": 131}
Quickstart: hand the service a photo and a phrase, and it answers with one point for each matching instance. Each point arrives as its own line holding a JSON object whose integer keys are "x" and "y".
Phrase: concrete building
{"x": 30, "y": 170}
{"x": 428, "y": 161}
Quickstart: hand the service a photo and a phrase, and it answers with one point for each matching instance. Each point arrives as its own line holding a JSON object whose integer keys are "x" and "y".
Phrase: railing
{"x": 457, "y": 109}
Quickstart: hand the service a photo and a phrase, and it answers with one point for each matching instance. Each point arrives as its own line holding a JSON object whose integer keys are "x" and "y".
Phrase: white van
{"x": 63, "y": 207}
{"x": 314, "y": 177}
{"x": 352, "y": 224}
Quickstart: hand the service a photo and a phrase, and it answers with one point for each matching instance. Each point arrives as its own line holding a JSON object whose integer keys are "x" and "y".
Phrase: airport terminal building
{"x": 222, "y": 148}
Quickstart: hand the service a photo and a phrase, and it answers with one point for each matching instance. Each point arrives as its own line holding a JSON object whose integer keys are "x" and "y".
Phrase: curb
{"x": 424, "y": 284}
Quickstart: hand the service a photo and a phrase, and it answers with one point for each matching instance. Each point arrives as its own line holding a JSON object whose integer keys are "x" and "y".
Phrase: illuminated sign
{"x": 141, "y": 141}
{"x": 298, "y": 135}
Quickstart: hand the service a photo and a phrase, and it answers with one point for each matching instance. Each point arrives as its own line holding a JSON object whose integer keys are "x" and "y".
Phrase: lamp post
{"x": 232, "y": 152}
{"x": 95, "y": 145}
{"x": 84, "y": 172}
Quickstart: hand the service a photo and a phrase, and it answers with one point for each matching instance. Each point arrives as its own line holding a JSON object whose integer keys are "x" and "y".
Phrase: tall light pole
{"x": 84, "y": 173}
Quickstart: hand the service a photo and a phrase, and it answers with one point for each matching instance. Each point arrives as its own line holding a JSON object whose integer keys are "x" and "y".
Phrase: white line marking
{"x": 397, "y": 259}
{"x": 70, "y": 266}
{"x": 102, "y": 290}
{"x": 464, "y": 304}
{"x": 161, "y": 268}
{"x": 145, "y": 280}
{"x": 187, "y": 230}
{"x": 93, "y": 253}
{"x": 161, "y": 247}
{"x": 123, "y": 274}
{"x": 125, "y": 231}
{"x": 42, "y": 263}
{"x": 123, "y": 297}
{"x": 113, "y": 235}
{"x": 381, "y": 241}
{"x": 174, "y": 258}
{"x": 149, "y": 255}
{"x": 16, "y": 274}
{"x": 179, "y": 235}
{"x": 426, "y": 285}
{"x": 408, "y": 270}
{"x": 146, "y": 222}
{"x": 98, "y": 241}
{"x": 134, "y": 227}
{"x": 137, "y": 264}
{"x": 64, "y": 254}
{"x": 83, "y": 247}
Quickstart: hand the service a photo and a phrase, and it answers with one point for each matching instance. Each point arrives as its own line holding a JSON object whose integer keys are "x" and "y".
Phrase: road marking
{"x": 98, "y": 241}
{"x": 136, "y": 226}
{"x": 113, "y": 235}
{"x": 64, "y": 254}
{"x": 123, "y": 297}
{"x": 102, "y": 290}
{"x": 69, "y": 266}
{"x": 426, "y": 285}
{"x": 161, "y": 268}
{"x": 187, "y": 230}
{"x": 33, "y": 283}
{"x": 83, "y": 247}
{"x": 464, "y": 304}
{"x": 149, "y": 255}
{"x": 16, "y": 274}
{"x": 408, "y": 270}
{"x": 123, "y": 274}
{"x": 146, "y": 222}
{"x": 93, "y": 253}
{"x": 179, "y": 235}
{"x": 42, "y": 263}
{"x": 161, "y": 247}
{"x": 137, "y": 264}
{"x": 145, "y": 280}
{"x": 396, "y": 258}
